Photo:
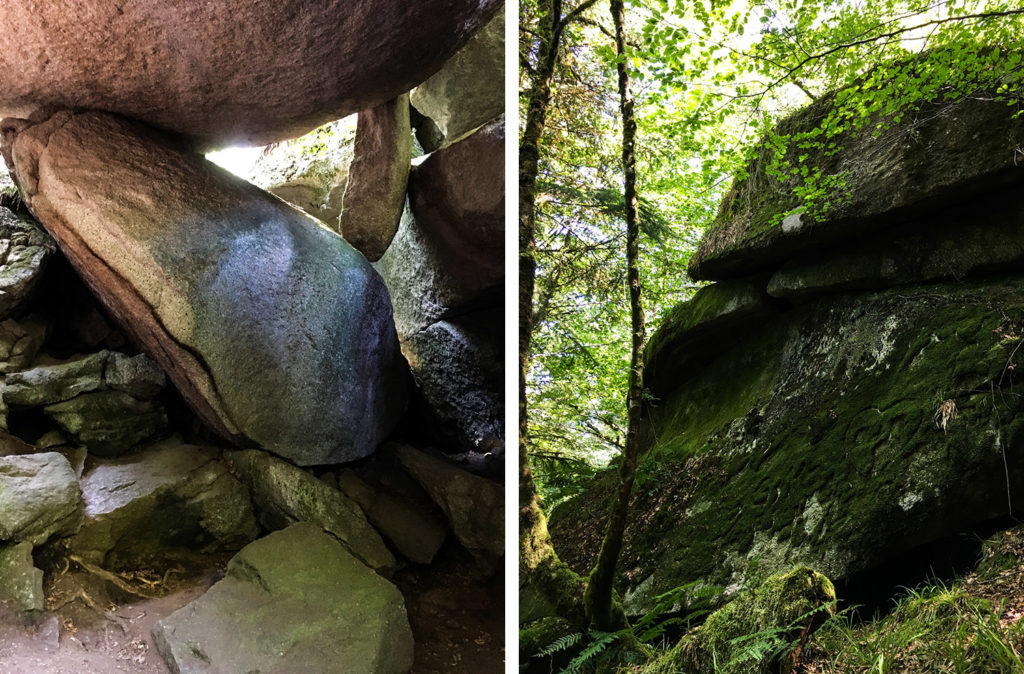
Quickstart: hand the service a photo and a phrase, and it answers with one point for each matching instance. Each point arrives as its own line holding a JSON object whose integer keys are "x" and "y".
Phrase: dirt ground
{"x": 77, "y": 638}
{"x": 457, "y": 617}
{"x": 93, "y": 627}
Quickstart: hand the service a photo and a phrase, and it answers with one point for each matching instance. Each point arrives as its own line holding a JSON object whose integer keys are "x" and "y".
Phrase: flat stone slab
{"x": 294, "y": 601}
{"x": 228, "y": 74}
{"x": 951, "y": 246}
{"x": 949, "y": 154}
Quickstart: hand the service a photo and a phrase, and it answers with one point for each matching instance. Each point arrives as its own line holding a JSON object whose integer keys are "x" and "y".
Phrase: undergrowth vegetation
{"x": 932, "y": 629}
{"x": 968, "y": 626}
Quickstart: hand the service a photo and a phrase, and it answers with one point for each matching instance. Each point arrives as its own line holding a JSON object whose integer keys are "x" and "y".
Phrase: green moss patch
{"x": 842, "y": 433}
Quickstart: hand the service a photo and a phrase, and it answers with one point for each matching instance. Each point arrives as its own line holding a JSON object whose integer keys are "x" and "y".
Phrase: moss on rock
{"x": 754, "y": 632}
{"x": 842, "y": 433}
{"x": 932, "y": 153}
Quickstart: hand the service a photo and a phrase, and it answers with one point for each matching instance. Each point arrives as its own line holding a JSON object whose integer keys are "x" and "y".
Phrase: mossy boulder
{"x": 704, "y": 327}
{"x": 780, "y": 611}
{"x": 935, "y": 155}
{"x": 955, "y": 245}
{"x": 838, "y": 435}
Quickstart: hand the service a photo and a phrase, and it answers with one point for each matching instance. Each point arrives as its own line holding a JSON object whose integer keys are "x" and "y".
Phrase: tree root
{"x": 113, "y": 578}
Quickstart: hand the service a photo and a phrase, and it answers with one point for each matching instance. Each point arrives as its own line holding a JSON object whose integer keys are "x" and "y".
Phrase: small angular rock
{"x": 414, "y": 535}
{"x": 475, "y": 506}
{"x": 19, "y": 343}
{"x": 138, "y": 376}
{"x": 21, "y": 584}
{"x": 108, "y": 423}
{"x": 285, "y": 494}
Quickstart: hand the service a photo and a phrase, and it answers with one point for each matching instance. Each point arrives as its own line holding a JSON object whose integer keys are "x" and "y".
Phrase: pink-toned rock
{"x": 378, "y": 176}
{"x": 276, "y": 332}
{"x": 227, "y": 72}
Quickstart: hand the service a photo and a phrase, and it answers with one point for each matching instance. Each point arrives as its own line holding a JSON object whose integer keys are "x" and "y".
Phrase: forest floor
{"x": 970, "y": 624}
{"x": 457, "y": 620}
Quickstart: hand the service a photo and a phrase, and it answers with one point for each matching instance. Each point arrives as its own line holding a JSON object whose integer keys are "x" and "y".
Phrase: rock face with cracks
{"x": 847, "y": 393}
{"x": 280, "y": 611}
{"x": 194, "y": 68}
{"x": 276, "y": 332}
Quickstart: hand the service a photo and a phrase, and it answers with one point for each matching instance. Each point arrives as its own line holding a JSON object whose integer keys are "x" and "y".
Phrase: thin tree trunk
{"x": 602, "y": 611}
{"x": 542, "y": 576}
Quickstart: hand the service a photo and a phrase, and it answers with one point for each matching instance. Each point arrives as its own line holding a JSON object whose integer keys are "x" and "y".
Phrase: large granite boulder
{"x": 840, "y": 434}
{"x": 468, "y": 91}
{"x": 458, "y": 369}
{"x": 156, "y": 502}
{"x": 378, "y": 176}
{"x": 941, "y": 154}
{"x": 284, "y": 495}
{"x": 847, "y": 393}
{"x": 445, "y": 271}
{"x": 449, "y": 251}
{"x": 39, "y": 498}
{"x": 295, "y": 601}
{"x": 223, "y": 73}
{"x": 276, "y": 332}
